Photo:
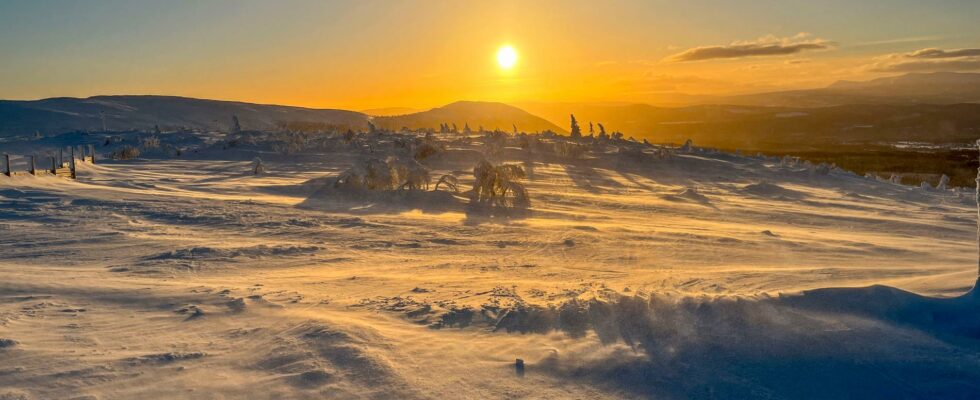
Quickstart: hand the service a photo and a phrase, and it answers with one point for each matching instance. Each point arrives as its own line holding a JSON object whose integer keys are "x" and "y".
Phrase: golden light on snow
{"x": 507, "y": 56}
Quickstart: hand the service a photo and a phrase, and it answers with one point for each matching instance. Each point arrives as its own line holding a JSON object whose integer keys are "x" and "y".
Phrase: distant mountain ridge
{"x": 912, "y": 88}
{"x": 63, "y": 114}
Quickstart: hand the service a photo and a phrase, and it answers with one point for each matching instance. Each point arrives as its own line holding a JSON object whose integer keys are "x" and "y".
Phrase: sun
{"x": 507, "y": 57}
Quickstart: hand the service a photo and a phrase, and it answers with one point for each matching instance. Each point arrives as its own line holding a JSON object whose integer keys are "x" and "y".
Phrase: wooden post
{"x": 54, "y": 166}
{"x": 61, "y": 157}
{"x": 6, "y": 158}
{"x": 72, "y": 166}
{"x": 91, "y": 150}
{"x": 33, "y": 165}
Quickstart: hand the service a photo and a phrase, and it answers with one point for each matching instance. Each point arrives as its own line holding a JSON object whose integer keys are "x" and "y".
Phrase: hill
{"x": 62, "y": 114}
{"x": 474, "y": 113}
{"x": 784, "y": 128}
{"x": 913, "y": 88}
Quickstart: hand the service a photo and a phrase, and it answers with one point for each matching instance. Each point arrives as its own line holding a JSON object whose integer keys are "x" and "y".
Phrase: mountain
{"x": 771, "y": 128}
{"x": 474, "y": 113}
{"x": 62, "y": 114}
{"x": 912, "y": 88}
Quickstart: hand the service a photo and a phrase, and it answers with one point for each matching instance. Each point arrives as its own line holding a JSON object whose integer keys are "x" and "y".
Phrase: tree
{"x": 236, "y": 127}
{"x": 515, "y": 129}
{"x": 156, "y": 129}
{"x": 466, "y": 129}
{"x": 576, "y": 132}
{"x": 591, "y": 131}
{"x": 602, "y": 132}
{"x": 454, "y": 128}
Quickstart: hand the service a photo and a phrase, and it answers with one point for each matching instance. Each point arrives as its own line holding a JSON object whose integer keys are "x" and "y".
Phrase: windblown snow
{"x": 699, "y": 275}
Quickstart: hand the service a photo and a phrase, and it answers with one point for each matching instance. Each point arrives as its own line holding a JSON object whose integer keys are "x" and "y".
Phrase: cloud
{"x": 765, "y": 46}
{"x": 928, "y": 60}
{"x": 940, "y": 53}
{"x": 971, "y": 64}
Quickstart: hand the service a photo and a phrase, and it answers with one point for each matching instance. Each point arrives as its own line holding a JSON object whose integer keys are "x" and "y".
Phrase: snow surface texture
{"x": 701, "y": 275}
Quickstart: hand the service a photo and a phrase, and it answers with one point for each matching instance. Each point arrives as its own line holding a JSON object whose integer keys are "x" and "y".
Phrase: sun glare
{"x": 507, "y": 57}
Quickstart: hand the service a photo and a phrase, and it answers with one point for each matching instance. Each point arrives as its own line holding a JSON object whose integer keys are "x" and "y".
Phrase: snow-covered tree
{"x": 575, "y": 132}
{"x": 943, "y": 183}
{"x": 236, "y": 127}
{"x": 688, "y": 145}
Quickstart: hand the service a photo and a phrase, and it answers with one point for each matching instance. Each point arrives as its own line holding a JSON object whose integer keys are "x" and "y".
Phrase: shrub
{"x": 387, "y": 174}
{"x": 499, "y": 185}
{"x": 125, "y": 153}
{"x": 569, "y": 150}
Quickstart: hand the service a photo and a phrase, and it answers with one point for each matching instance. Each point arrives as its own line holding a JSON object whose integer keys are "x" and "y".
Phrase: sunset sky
{"x": 419, "y": 54}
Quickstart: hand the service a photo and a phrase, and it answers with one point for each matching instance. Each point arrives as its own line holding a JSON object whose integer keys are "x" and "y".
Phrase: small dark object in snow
{"x": 769, "y": 233}
{"x": 519, "y": 367}
{"x": 569, "y": 242}
{"x": 5, "y": 343}
{"x": 420, "y": 290}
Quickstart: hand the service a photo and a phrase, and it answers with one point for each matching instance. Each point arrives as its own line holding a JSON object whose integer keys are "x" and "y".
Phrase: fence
{"x": 59, "y": 167}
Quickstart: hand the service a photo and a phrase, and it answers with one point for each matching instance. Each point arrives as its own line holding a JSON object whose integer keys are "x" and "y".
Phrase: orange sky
{"x": 365, "y": 54}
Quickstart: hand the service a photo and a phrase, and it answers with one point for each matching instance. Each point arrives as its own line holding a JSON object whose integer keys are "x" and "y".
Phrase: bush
{"x": 569, "y": 150}
{"x": 499, "y": 185}
{"x": 387, "y": 174}
{"x": 125, "y": 153}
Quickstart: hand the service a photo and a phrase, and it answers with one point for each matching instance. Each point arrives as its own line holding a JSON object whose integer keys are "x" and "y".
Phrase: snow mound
{"x": 772, "y": 191}
{"x": 215, "y": 254}
{"x": 783, "y": 346}
{"x": 688, "y": 195}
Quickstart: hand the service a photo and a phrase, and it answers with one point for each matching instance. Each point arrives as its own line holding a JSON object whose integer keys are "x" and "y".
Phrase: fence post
{"x": 6, "y": 158}
{"x": 54, "y": 167}
{"x": 72, "y": 162}
{"x": 33, "y": 164}
{"x": 61, "y": 156}
{"x": 91, "y": 149}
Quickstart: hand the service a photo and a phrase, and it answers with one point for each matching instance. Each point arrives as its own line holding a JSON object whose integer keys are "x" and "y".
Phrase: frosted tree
{"x": 257, "y": 167}
{"x": 943, "y": 183}
{"x": 236, "y": 127}
{"x": 576, "y": 132}
{"x": 688, "y": 145}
